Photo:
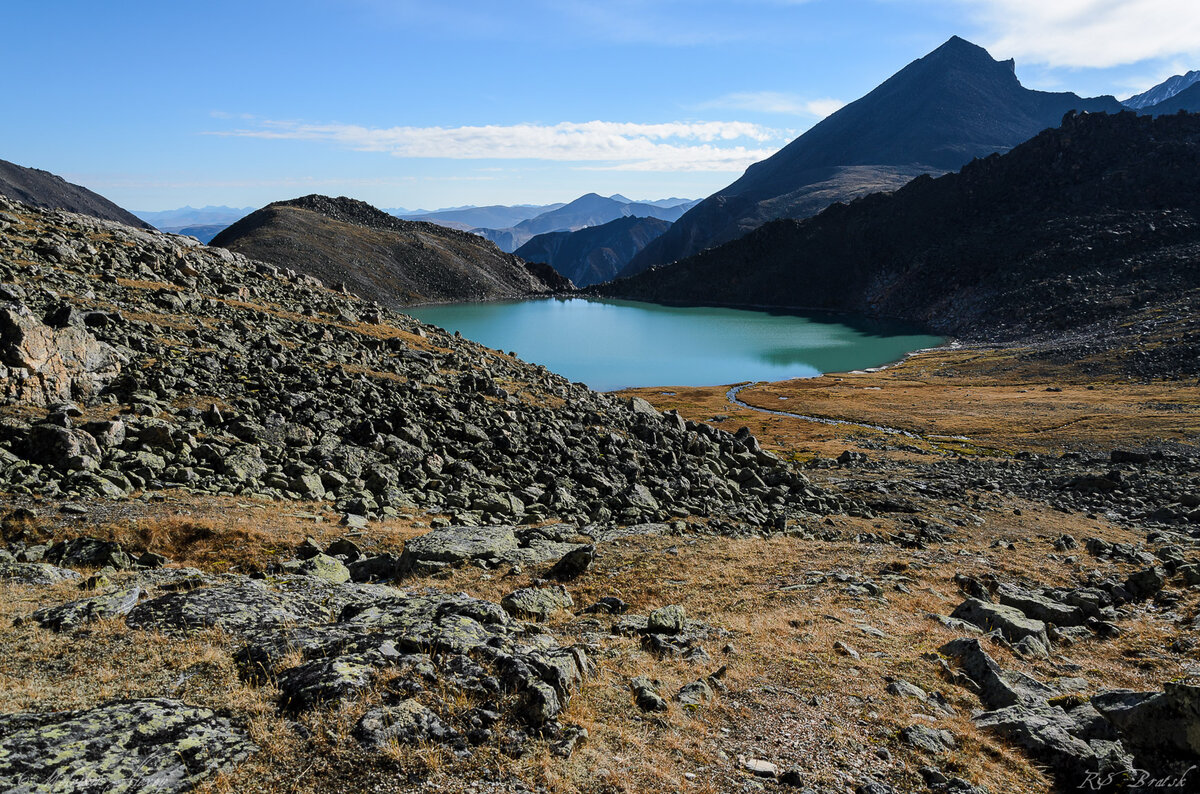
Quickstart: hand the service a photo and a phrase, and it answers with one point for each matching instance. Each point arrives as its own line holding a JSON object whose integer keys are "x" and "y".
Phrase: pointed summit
{"x": 934, "y": 115}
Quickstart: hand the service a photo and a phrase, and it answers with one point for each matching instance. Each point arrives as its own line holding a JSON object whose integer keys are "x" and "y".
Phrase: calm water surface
{"x": 617, "y": 344}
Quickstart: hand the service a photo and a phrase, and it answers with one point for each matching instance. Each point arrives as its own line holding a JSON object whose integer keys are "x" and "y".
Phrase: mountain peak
{"x": 1165, "y": 90}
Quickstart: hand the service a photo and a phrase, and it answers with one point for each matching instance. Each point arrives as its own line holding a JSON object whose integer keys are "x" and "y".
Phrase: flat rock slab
{"x": 132, "y": 746}
{"x": 76, "y": 613}
{"x": 36, "y": 573}
{"x": 486, "y": 547}
{"x": 1011, "y": 622}
{"x": 249, "y": 607}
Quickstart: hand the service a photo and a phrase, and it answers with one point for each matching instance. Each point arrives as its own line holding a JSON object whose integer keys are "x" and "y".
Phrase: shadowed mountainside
{"x": 44, "y": 189}
{"x": 933, "y": 116}
{"x": 1083, "y": 226}
{"x": 595, "y": 254}
{"x": 378, "y": 255}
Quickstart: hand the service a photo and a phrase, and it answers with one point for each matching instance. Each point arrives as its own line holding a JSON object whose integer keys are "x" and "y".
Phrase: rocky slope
{"x": 231, "y": 375}
{"x": 263, "y": 535}
{"x": 396, "y": 262}
{"x": 1089, "y": 226}
{"x": 595, "y": 254}
{"x": 44, "y": 189}
{"x": 932, "y": 116}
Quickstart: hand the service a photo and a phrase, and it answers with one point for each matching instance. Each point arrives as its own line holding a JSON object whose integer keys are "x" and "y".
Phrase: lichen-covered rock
{"x": 408, "y": 722}
{"x": 239, "y": 607}
{"x": 36, "y": 573}
{"x": 326, "y": 568}
{"x": 695, "y": 694}
{"x": 536, "y": 603}
{"x": 43, "y": 365}
{"x": 152, "y": 746}
{"x": 347, "y": 633}
{"x": 1156, "y": 722}
{"x": 89, "y": 553}
{"x": 646, "y": 695}
{"x": 670, "y": 619}
{"x": 486, "y": 547}
{"x": 76, "y": 613}
{"x": 1011, "y": 622}
{"x": 457, "y": 546}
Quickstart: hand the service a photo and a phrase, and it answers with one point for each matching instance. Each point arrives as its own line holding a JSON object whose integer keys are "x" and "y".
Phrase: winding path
{"x": 732, "y": 396}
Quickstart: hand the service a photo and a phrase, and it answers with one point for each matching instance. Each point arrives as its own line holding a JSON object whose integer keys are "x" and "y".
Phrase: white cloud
{"x": 775, "y": 102}
{"x": 683, "y": 146}
{"x": 1090, "y": 33}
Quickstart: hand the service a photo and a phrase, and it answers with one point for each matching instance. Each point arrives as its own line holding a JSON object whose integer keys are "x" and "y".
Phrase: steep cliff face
{"x": 377, "y": 255}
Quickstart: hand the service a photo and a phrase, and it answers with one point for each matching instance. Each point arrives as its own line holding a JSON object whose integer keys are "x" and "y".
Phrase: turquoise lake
{"x": 617, "y": 344}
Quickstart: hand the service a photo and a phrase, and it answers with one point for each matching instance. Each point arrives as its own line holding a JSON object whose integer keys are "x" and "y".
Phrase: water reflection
{"x": 616, "y": 344}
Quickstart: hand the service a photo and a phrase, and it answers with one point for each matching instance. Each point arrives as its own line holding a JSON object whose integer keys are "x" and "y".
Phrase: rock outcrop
{"x": 44, "y": 365}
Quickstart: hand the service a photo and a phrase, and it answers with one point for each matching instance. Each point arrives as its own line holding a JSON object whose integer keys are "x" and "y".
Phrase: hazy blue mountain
{"x": 44, "y": 189}
{"x": 203, "y": 233}
{"x": 1163, "y": 91}
{"x": 590, "y": 209}
{"x": 174, "y": 220}
{"x": 491, "y": 217}
{"x": 933, "y": 116}
{"x": 597, "y": 253}
{"x": 1188, "y": 99}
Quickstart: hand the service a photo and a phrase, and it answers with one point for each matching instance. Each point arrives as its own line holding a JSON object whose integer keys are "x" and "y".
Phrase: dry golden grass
{"x": 992, "y": 398}
{"x": 791, "y": 699}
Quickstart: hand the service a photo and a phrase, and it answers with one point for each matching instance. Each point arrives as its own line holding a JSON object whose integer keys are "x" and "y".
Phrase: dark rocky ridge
{"x": 931, "y": 117}
{"x": 44, "y": 189}
{"x": 375, "y": 254}
{"x": 1095, "y": 225}
{"x": 595, "y": 254}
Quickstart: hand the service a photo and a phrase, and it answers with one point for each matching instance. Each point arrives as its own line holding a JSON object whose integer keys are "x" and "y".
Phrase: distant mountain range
{"x": 1163, "y": 91}
{"x": 378, "y": 256}
{"x": 492, "y": 217}
{"x": 590, "y": 209}
{"x": 1188, "y": 100}
{"x": 933, "y": 116}
{"x": 597, "y": 253}
{"x": 1082, "y": 226}
{"x": 193, "y": 216}
{"x": 203, "y": 223}
{"x": 44, "y": 189}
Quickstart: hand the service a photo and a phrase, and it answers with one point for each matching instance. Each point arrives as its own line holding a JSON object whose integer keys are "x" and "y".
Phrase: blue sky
{"x": 430, "y": 104}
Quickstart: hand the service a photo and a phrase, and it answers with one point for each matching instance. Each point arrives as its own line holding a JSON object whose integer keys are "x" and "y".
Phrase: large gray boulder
{"x": 43, "y": 365}
{"x": 1010, "y": 621}
{"x": 997, "y": 688}
{"x": 1040, "y": 607}
{"x": 451, "y": 546}
{"x": 76, "y": 613}
{"x": 134, "y": 746}
{"x": 1155, "y": 722}
{"x": 1046, "y": 733}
